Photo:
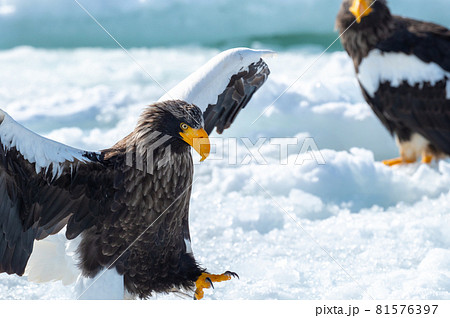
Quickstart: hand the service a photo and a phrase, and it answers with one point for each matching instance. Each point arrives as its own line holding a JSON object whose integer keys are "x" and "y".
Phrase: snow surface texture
{"x": 349, "y": 228}
{"x": 398, "y": 68}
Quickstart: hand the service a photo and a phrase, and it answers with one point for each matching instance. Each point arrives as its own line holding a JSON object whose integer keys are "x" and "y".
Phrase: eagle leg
{"x": 397, "y": 161}
{"x": 206, "y": 281}
{"x": 427, "y": 159}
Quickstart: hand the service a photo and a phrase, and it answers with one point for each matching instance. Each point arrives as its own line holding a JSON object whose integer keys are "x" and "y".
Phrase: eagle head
{"x": 365, "y": 12}
{"x": 178, "y": 123}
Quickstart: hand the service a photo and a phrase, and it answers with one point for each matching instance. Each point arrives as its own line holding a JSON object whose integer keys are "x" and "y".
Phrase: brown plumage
{"x": 129, "y": 204}
{"x": 418, "y": 114}
{"x": 151, "y": 197}
{"x": 117, "y": 196}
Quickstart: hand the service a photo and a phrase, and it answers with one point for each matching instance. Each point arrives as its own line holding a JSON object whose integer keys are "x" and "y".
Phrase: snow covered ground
{"x": 348, "y": 227}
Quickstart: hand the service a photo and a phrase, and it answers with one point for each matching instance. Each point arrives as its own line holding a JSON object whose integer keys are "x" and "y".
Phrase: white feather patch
{"x": 204, "y": 85}
{"x": 448, "y": 88}
{"x": 188, "y": 246}
{"x": 54, "y": 259}
{"x": 414, "y": 148}
{"x": 379, "y": 67}
{"x": 36, "y": 149}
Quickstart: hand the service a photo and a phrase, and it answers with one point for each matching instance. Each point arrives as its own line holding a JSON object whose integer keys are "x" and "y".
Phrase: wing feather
{"x": 423, "y": 107}
{"x": 423, "y": 110}
{"x": 43, "y": 186}
{"x": 235, "y": 97}
{"x": 428, "y": 41}
{"x": 224, "y": 85}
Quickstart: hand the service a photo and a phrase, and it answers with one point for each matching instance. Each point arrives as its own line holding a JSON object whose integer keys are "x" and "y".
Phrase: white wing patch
{"x": 209, "y": 81}
{"x": 379, "y": 67}
{"x": 36, "y": 149}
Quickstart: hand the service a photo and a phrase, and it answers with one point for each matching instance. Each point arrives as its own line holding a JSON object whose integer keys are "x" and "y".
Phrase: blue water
{"x": 211, "y": 23}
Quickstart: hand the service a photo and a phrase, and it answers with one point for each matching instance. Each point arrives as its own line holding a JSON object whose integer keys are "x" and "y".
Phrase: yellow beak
{"x": 198, "y": 139}
{"x": 360, "y": 9}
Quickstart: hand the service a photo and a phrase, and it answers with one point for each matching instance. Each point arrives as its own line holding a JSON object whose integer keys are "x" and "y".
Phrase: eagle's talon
{"x": 231, "y": 274}
{"x": 210, "y": 282}
{"x": 427, "y": 159}
{"x": 398, "y": 161}
{"x": 206, "y": 280}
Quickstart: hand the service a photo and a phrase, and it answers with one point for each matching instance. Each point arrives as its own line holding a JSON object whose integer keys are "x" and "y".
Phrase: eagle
{"x": 126, "y": 207}
{"x": 403, "y": 68}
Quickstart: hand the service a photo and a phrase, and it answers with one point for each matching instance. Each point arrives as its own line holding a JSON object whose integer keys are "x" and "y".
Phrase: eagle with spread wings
{"x": 126, "y": 206}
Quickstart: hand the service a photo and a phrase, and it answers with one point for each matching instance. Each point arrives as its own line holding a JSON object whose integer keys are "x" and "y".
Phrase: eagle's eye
{"x": 184, "y": 126}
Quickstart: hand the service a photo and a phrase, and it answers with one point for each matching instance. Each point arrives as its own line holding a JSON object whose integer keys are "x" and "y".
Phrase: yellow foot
{"x": 427, "y": 159}
{"x": 206, "y": 280}
{"x": 397, "y": 161}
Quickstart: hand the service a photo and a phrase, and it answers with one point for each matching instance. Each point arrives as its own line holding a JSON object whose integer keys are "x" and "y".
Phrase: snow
{"x": 397, "y": 68}
{"x": 106, "y": 285}
{"x": 349, "y": 228}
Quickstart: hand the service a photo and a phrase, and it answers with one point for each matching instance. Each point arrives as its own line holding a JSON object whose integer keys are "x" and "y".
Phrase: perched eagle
{"x": 403, "y": 68}
{"x": 127, "y": 206}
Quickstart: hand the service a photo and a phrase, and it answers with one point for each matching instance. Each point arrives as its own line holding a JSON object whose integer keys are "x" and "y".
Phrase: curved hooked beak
{"x": 198, "y": 139}
{"x": 360, "y": 9}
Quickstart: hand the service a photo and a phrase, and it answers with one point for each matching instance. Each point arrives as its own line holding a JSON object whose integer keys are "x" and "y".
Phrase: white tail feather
{"x": 54, "y": 259}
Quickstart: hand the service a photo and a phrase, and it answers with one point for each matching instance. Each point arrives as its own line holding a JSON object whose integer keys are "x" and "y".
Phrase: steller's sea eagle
{"x": 403, "y": 68}
{"x": 127, "y": 206}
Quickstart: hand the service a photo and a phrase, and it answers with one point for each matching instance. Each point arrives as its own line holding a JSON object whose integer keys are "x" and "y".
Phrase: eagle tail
{"x": 54, "y": 259}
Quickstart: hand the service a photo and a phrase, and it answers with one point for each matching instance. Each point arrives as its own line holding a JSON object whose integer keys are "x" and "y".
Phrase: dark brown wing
{"x": 428, "y": 41}
{"x": 44, "y": 185}
{"x": 235, "y": 97}
{"x": 423, "y": 109}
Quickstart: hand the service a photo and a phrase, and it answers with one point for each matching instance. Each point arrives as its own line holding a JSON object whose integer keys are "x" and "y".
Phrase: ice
{"x": 155, "y": 23}
{"x": 349, "y": 228}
